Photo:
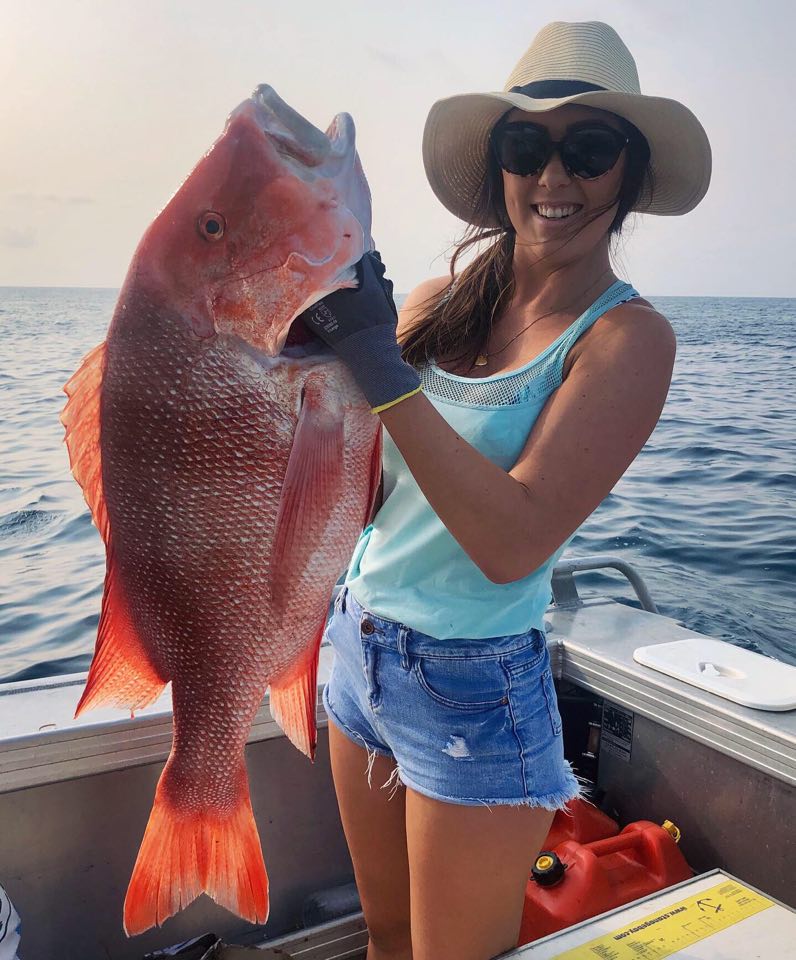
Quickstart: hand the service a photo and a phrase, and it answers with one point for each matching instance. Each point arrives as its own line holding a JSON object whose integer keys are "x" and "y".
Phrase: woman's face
{"x": 554, "y": 188}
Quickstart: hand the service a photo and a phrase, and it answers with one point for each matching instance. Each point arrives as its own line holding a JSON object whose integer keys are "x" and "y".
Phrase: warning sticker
{"x": 677, "y": 926}
{"x": 616, "y": 736}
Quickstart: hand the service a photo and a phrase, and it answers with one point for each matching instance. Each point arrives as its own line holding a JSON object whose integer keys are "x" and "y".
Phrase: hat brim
{"x": 456, "y": 146}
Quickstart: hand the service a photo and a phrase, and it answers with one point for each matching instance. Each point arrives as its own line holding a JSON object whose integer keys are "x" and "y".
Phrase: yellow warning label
{"x": 674, "y": 927}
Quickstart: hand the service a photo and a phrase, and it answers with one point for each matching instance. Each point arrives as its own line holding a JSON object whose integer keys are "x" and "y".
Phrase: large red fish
{"x": 229, "y": 464}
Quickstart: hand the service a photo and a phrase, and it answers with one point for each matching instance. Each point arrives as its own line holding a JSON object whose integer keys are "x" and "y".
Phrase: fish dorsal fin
{"x": 121, "y": 672}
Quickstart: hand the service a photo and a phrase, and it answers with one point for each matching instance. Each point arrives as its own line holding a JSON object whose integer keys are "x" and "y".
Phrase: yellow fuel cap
{"x": 548, "y": 869}
{"x": 672, "y": 830}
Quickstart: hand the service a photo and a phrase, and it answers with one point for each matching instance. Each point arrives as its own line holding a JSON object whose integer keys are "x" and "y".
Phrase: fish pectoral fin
{"x": 294, "y": 698}
{"x": 311, "y": 489}
{"x": 121, "y": 672}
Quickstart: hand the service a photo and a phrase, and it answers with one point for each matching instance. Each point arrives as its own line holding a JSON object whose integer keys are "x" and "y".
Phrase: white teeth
{"x": 555, "y": 213}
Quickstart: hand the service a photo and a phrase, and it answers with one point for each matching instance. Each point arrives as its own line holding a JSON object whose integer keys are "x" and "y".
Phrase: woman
{"x": 529, "y": 382}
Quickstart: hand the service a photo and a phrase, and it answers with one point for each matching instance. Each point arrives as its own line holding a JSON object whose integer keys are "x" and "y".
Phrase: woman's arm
{"x": 412, "y": 310}
{"x": 587, "y": 435}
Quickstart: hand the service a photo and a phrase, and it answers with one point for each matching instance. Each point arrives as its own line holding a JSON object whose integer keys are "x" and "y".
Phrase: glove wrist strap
{"x": 392, "y": 403}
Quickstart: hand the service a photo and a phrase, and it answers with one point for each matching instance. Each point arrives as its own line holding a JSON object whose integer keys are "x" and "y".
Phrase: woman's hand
{"x": 360, "y": 327}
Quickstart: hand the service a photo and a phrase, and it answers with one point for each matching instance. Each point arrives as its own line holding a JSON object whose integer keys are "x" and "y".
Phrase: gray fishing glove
{"x": 359, "y": 325}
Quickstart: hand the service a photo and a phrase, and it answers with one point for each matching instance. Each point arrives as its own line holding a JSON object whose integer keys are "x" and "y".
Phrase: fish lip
{"x": 291, "y": 134}
{"x": 284, "y": 265}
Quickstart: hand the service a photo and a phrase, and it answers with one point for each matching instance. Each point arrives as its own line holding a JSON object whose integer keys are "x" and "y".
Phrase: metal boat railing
{"x": 565, "y": 592}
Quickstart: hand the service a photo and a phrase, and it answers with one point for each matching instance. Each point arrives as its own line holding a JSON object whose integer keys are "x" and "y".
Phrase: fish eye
{"x": 212, "y": 225}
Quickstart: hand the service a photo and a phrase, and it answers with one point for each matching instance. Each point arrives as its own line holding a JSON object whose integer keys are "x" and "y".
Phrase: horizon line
{"x": 679, "y": 296}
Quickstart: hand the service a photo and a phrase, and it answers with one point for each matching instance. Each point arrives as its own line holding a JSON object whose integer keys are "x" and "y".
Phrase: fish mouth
{"x": 300, "y": 343}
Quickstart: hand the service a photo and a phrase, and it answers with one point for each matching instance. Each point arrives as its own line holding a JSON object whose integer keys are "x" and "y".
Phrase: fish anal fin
{"x": 294, "y": 698}
{"x": 186, "y": 852}
{"x": 81, "y": 418}
{"x": 311, "y": 489}
{"x": 121, "y": 673}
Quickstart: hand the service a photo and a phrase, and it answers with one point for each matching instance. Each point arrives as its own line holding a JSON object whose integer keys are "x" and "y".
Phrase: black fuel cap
{"x": 548, "y": 870}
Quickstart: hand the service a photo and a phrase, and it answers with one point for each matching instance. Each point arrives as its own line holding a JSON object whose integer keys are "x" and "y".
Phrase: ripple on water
{"x": 22, "y": 524}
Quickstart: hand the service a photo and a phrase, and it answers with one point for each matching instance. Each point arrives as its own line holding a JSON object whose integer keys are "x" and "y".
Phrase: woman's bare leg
{"x": 375, "y": 830}
{"x": 469, "y": 867}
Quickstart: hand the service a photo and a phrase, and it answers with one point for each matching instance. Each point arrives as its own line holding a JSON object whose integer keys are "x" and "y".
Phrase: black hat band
{"x": 549, "y": 89}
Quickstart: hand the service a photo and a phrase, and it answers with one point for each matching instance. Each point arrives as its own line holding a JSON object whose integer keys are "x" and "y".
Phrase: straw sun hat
{"x": 585, "y": 63}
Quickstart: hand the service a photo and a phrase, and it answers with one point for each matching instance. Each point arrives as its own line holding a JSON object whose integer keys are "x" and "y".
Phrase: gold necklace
{"x": 483, "y": 358}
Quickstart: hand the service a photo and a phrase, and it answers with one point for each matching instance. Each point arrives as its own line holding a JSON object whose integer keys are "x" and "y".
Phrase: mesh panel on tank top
{"x": 538, "y": 378}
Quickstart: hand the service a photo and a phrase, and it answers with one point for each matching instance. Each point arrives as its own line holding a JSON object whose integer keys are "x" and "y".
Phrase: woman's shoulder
{"x": 637, "y": 312}
{"x": 420, "y": 300}
{"x": 633, "y": 325}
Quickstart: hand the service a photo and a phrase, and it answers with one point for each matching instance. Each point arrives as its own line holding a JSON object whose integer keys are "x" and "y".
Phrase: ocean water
{"x": 706, "y": 513}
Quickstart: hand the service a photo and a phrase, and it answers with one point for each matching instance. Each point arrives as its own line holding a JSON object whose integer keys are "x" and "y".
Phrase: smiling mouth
{"x": 556, "y": 212}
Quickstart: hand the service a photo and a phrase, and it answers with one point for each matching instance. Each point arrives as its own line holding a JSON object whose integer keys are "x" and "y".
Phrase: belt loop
{"x": 402, "y": 635}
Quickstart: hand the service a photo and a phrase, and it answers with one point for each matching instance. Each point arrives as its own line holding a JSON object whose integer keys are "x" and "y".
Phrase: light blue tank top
{"x": 406, "y": 566}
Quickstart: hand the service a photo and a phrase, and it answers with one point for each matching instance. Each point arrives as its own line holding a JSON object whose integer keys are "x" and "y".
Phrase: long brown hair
{"x": 455, "y": 323}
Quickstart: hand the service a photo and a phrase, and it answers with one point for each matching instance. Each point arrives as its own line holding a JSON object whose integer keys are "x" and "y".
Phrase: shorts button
{"x": 505, "y": 700}
{"x": 367, "y": 627}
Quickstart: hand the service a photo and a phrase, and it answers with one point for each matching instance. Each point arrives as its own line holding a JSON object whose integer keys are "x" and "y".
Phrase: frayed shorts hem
{"x": 551, "y": 801}
{"x": 355, "y": 737}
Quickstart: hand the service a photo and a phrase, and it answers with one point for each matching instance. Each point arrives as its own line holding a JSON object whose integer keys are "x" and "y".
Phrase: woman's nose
{"x": 554, "y": 173}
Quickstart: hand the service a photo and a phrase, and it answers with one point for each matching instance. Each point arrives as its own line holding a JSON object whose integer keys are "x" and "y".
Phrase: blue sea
{"x": 706, "y": 513}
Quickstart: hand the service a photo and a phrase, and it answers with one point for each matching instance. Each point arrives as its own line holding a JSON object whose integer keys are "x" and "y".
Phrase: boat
{"x": 712, "y": 750}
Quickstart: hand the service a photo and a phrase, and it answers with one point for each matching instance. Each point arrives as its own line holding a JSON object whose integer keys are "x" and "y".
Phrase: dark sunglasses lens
{"x": 591, "y": 152}
{"x": 522, "y": 152}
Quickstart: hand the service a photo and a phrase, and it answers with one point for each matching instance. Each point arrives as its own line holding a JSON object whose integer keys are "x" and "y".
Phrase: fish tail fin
{"x": 294, "y": 699}
{"x": 186, "y": 852}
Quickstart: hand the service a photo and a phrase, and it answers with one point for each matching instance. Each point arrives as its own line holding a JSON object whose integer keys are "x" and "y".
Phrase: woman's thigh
{"x": 375, "y": 830}
{"x": 469, "y": 867}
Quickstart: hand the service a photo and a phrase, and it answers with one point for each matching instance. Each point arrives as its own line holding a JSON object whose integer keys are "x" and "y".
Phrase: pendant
{"x": 481, "y": 360}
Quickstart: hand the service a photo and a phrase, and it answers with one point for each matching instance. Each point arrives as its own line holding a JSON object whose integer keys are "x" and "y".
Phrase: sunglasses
{"x": 587, "y": 152}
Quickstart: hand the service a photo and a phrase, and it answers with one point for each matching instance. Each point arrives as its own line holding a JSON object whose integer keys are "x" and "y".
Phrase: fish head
{"x": 273, "y": 217}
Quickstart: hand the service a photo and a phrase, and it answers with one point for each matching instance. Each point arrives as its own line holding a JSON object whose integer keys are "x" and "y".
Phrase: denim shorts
{"x": 466, "y": 721}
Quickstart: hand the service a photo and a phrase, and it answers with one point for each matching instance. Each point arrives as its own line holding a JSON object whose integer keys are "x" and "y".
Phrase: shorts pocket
{"x": 463, "y": 683}
{"x": 529, "y": 656}
{"x": 552, "y": 702}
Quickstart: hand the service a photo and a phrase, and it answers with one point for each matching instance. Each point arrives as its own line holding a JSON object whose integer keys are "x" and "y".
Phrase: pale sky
{"x": 105, "y": 105}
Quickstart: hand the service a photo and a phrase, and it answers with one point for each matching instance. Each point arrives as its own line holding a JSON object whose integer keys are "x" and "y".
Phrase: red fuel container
{"x": 577, "y": 881}
{"x": 581, "y": 821}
